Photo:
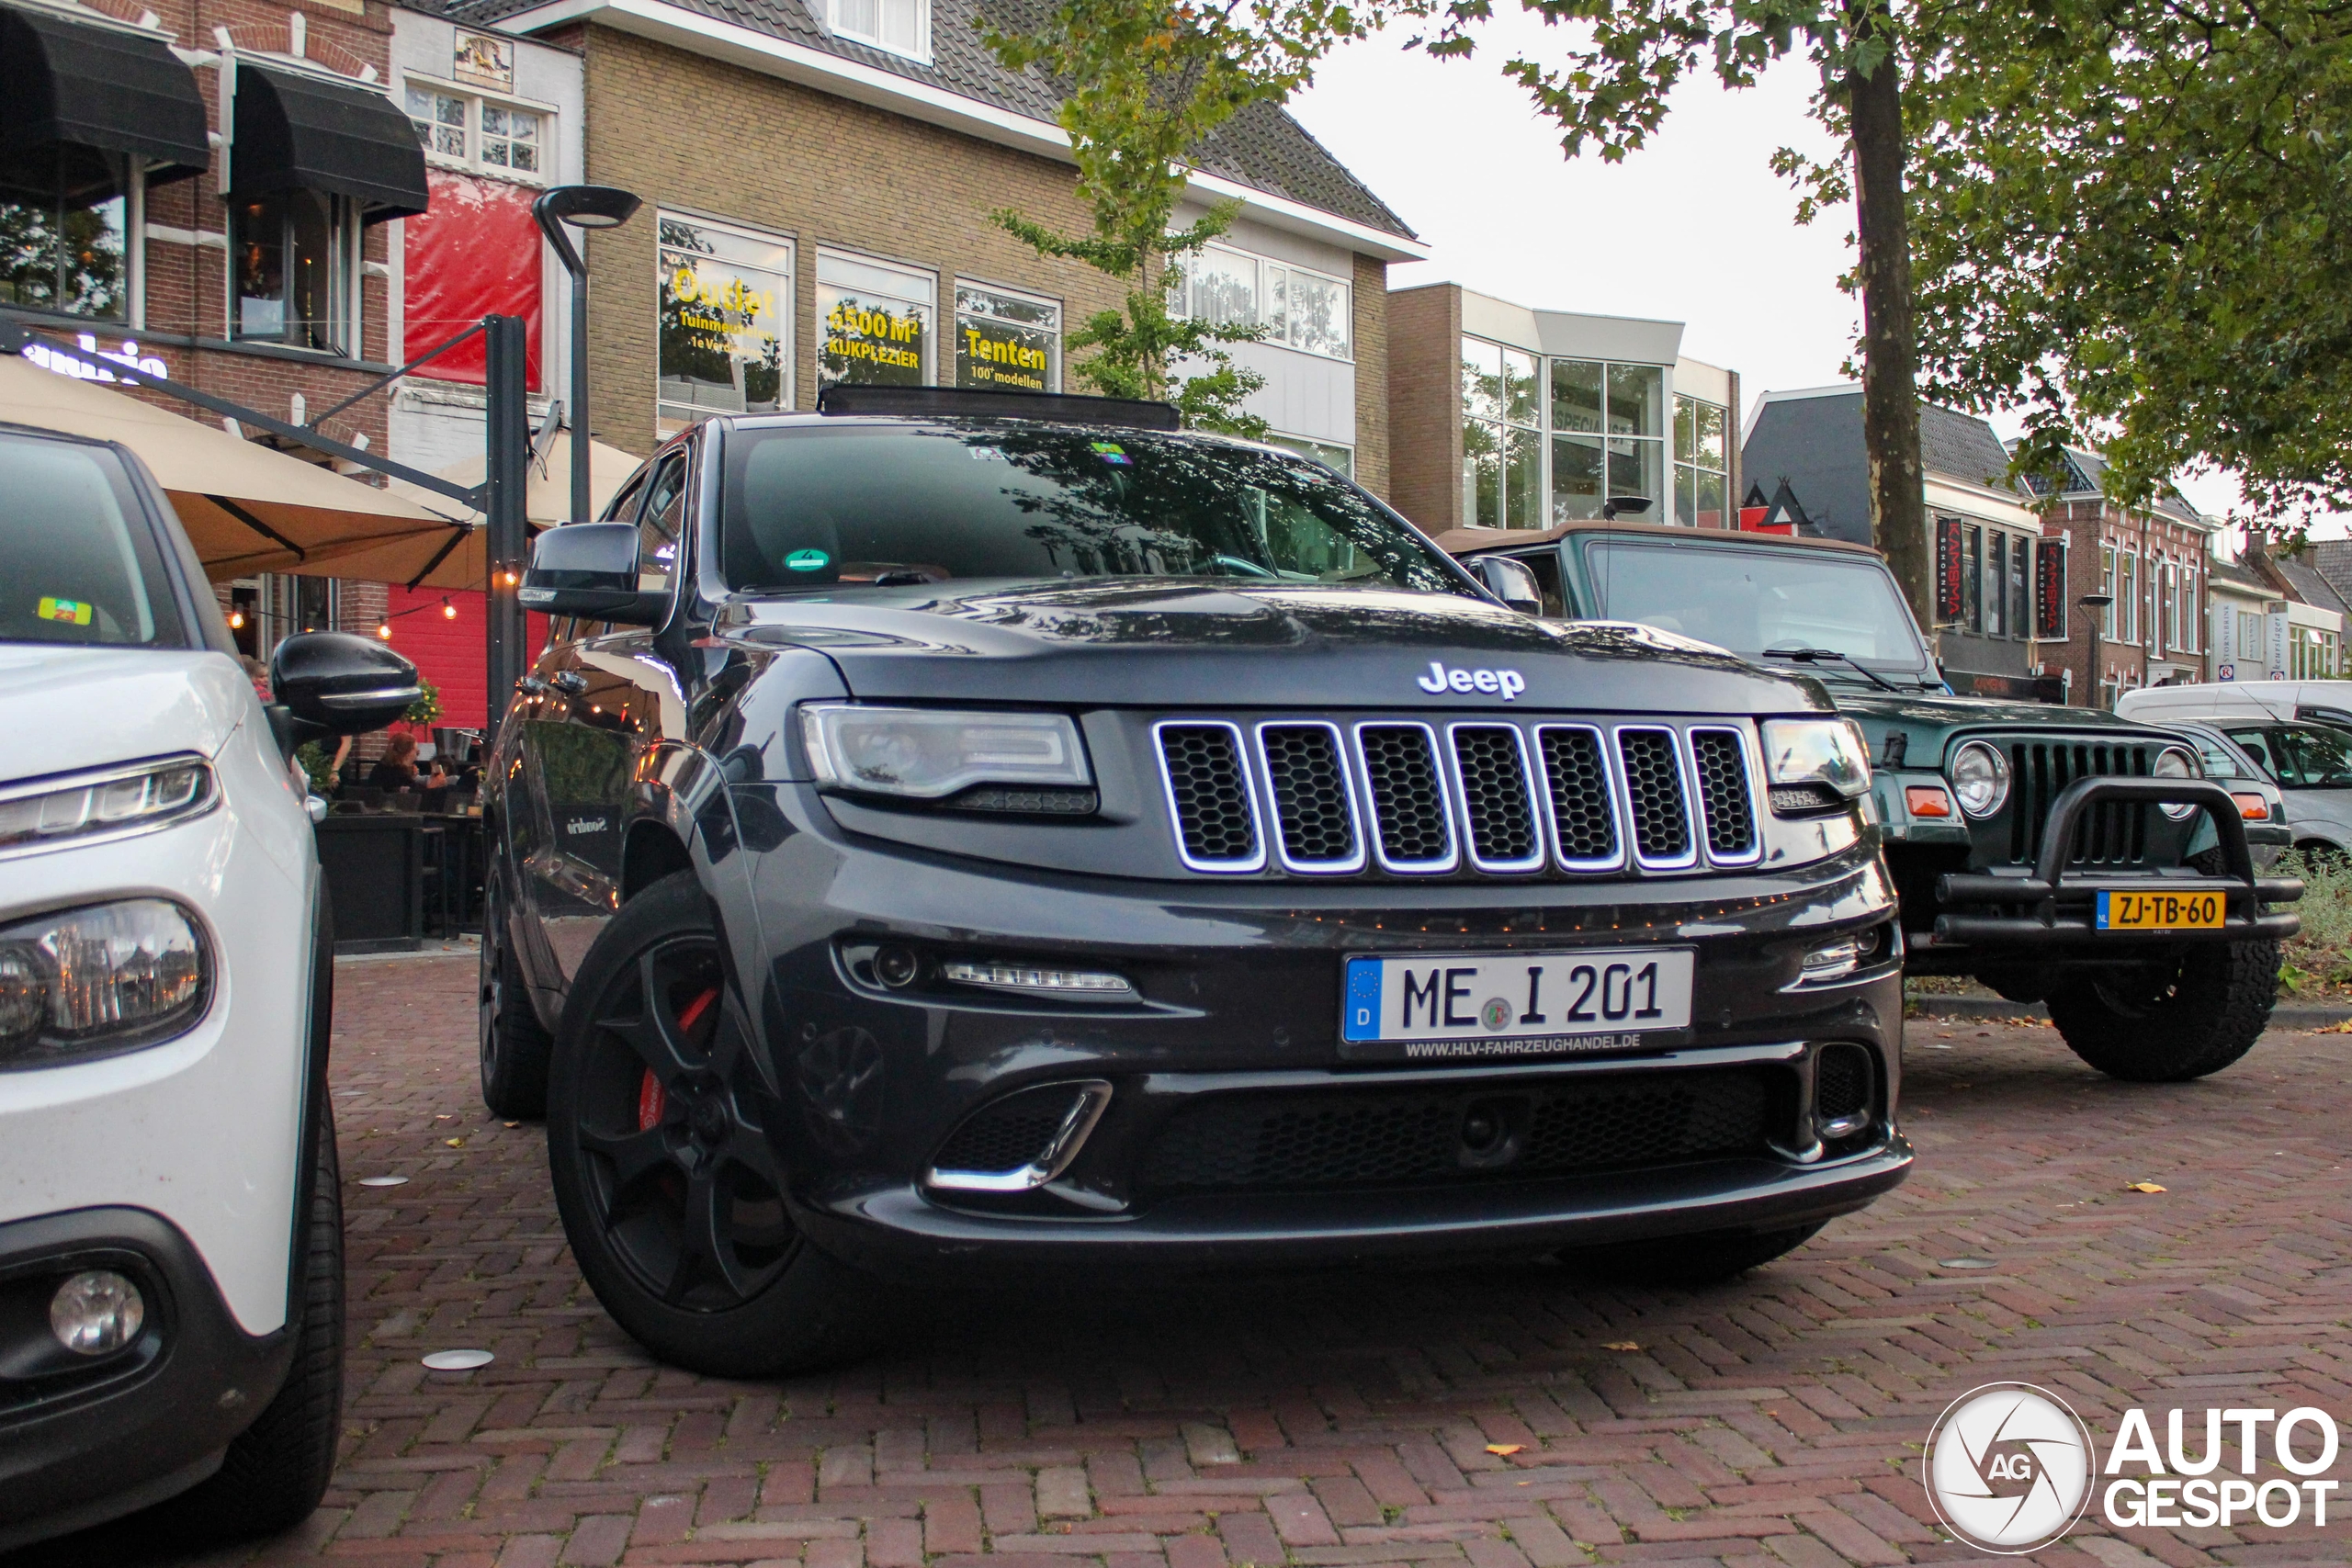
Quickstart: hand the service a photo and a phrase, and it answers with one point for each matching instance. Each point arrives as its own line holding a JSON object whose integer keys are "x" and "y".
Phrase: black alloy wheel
{"x": 515, "y": 1046}
{"x": 670, "y": 1188}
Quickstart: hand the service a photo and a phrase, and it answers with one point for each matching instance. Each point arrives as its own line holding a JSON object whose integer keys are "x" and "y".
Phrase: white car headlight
{"x": 2176, "y": 762}
{"x": 928, "y": 754}
{"x": 1980, "y": 778}
{"x": 118, "y": 801}
{"x": 99, "y": 980}
{"x": 1817, "y": 751}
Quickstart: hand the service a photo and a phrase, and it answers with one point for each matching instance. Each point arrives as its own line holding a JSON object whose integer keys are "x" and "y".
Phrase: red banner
{"x": 474, "y": 254}
{"x": 1948, "y": 603}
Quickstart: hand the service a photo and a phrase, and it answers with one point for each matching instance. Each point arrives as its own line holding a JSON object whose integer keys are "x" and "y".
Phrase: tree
{"x": 1611, "y": 91}
{"x": 2134, "y": 216}
{"x": 1144, "y": 83}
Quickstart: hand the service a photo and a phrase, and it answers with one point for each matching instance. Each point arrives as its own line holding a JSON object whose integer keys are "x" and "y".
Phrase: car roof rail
{"x": 965, "y": 402}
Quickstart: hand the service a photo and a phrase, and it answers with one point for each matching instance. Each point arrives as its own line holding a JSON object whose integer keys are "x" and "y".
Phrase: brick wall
{"x": 1372, "y": 459}
{"x": 1425, "y": 405}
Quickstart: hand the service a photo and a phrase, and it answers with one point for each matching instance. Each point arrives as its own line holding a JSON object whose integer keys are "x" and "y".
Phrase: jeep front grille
{"x": 2111, "y": 832}
{"x": 1490, "y": 796}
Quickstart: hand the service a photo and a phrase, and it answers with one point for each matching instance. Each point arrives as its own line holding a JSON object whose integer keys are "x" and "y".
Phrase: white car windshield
{"x": 1756, "y": 601}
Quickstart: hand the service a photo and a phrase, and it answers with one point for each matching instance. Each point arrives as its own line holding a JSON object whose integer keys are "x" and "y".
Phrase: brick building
{"x": 215, "y": 187}
{"x": 1504, "y": 416}
{"x": 817, "y": 184}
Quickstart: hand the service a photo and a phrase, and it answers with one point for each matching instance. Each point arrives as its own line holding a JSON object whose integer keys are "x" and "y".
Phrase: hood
{"x": 1929, "y": 719}
{"x": 1185, "y": 643}
{"x": 76, "y": 708}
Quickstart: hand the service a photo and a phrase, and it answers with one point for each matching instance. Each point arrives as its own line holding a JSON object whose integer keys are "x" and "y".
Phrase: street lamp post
{"x": 582, "y": 206}
{"x": 2096, "y": 604}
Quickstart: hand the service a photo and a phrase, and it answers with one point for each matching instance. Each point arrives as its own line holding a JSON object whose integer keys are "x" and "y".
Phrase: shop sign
{"x": 1949, "y": 570}
{"x": 1006, "y": 341}
{"x": 722, "y": 337}
{"x": 2050, "y": 569}
{"x": 483, "y": 61}
{"x": 873, "y": 342}
{"x": 127, "y": 357}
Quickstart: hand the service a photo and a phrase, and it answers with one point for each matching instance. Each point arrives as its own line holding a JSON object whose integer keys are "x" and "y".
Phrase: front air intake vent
{"x": 1208, "y": 794}
{"x": 1408, "y": 811}
{"x": 1654, "y": 789}
{"x": 1491, "y": 761}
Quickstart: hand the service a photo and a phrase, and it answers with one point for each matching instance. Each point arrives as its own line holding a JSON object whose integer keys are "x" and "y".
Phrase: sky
{"x": 1694, "y": 227}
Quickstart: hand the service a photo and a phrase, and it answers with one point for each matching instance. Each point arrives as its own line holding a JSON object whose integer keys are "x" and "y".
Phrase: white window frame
{"x": 930, "y": 373}
{"x": 666, "y": 423}
{"x": 921, "y": 52}
{"x": 351, "y": 329}
{"x": 1029, "y": 296}
{"x": 1261, "y": 292}
{"x": 472, "y": 162}
{"x": 1728, "y": 517}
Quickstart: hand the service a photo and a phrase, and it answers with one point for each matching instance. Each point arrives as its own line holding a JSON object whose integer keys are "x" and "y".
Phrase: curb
{"x": 2288, "y": 1017}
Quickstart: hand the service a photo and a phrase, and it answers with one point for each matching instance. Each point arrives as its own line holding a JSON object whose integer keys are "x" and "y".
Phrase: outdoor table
{"x": 374, "y": 866}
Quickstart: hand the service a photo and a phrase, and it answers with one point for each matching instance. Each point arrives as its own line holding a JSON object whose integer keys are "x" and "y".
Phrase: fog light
{"x": 96, "y": 1313}
{"x": 1835, "y": 962}
{"x": 897, "y": 967}
{"x": 1089, "y": 984}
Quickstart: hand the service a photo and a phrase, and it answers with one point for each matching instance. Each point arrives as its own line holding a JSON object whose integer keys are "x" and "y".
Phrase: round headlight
{"x": 1980, "y": 778}
{"x": 2176, "y": 762}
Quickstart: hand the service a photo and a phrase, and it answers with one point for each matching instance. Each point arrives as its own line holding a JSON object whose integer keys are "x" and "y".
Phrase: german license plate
{"x": 2161, "y": 910}
{"x": 1466, "y": 1007}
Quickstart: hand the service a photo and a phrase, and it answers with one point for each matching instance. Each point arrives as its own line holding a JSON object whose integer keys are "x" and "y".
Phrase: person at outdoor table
{"x": 398, "y": 769}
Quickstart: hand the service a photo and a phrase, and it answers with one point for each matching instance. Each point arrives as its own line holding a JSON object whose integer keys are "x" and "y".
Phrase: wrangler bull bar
{"x": 2049, "y": 903}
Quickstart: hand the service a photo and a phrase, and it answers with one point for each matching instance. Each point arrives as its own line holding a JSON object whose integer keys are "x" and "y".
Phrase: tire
{"x": 2171, "y": 1022}
{"x": 1686, "y": 1261}
{"x": 515, "y": 1046}
{"x": 669, "y": 1188}
{"x": 278, "y": 1469}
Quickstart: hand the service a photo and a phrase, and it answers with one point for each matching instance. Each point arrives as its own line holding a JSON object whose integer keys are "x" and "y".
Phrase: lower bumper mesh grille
{"x": 1344, "y": 1137}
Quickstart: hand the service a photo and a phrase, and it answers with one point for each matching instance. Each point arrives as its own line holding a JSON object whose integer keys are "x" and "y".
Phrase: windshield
{"x": 819, "y": 507}
{"x": 1749, "y": 601}
{"x": 82, "y": 567}
{"x": 2300, "y": 756}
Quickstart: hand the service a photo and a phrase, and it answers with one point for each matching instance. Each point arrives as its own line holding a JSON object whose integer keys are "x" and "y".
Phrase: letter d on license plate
{"x": 1480, "y": 1007}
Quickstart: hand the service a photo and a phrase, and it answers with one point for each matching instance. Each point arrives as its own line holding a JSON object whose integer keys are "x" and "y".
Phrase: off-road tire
{"x": 2197, "y": 1017}
{"x": 1688, "y": 1261}
{"x": 796, "y": 1307}
{"x": 278, "y": 1469}
{"x": 515, "y": 1046}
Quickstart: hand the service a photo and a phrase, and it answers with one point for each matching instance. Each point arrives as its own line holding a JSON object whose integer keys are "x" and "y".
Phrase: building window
{"x": 2107, "y": 586}
{"x": 2127, "y": 597}
{"x": 2249, "y": 635}
{"x": 1343, "y": 458}
{"x": 478, "y": 134}
{"x": 1702, "y": 474}
{"x": 902, "y": 26}
{"x": 65, "y": 231}
{"x": 1300, "y": 308}
{"x": 2022, "y": 586}
{"x": 1502, "y": 439}
{"x": 2192, "y": 612}
{"x": 1011, "y": 341}
{"x": 1972, "y": 579}
{"x": 1609, "y": 436}
{"x": 294, "y": 256}
{"x": 878, "y": 321}
{"x": 725, "y": 321}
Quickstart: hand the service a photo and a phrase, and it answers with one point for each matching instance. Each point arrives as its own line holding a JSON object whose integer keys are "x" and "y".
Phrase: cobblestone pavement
{"x": 1486, "y": 1418}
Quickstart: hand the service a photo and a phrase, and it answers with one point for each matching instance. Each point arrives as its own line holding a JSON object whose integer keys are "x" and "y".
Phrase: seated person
{"x": 397, "y": 770}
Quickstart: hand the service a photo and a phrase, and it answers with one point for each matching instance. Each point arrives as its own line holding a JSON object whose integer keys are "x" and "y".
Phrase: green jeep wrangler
{"x": 2058, "y": 854}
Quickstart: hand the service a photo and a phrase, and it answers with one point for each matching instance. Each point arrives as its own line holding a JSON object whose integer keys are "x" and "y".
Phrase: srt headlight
{"x": 118, "y": 801}
{"x": 1980, "y": 778}
{"x": 1817, "y": 751}
{"x": 2176, "y": 762}
{"x": 926, "y": 755}
{"x": 96, "y": 981}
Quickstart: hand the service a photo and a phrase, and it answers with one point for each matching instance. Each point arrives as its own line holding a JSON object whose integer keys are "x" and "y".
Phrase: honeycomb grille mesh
{"x": 1345, "y": 1137}
{"x": 1211, "y": 791}
{"x": 1409, "y": 808}
{"x": 1842, "y": 1082}
{"x": 1009, "y": 1133}
{"x": 1654, "y": 785}
{"x": 1494, "y": 791}
{"x": 1310, "y": 792}
{"x": 1723, "y": 792}
{"x": 1581, "y": 820}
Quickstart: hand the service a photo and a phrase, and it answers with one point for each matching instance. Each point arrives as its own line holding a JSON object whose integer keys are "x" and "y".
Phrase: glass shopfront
{"x": 1606, "y": 426}
{"x": 1007, "y": 342}
{"x": 726, "y": 333}
{"x": 878, "y": 318}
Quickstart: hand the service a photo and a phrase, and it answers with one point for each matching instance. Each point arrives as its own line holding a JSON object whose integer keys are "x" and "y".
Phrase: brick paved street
{"x": 1351, "y": 1419}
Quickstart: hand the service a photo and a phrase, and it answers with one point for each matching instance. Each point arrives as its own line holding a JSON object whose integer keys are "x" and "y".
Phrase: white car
{"x": 171, "y": 1226}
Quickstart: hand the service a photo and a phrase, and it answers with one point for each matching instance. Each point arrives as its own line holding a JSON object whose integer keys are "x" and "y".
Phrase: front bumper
{"x": 83, "y": 1441}
{"x": 1237, "y": 1021}
{"x": 2049, "y": 904}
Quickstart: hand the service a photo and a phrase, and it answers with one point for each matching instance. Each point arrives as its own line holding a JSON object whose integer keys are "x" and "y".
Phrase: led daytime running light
{"x": 36, "y": 817}
{"x": 1037, "y": 981}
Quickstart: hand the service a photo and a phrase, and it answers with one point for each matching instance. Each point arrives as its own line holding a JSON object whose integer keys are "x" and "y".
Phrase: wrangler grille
{"x": 1487, "y": 796}
{"x": 2112, "y": 833}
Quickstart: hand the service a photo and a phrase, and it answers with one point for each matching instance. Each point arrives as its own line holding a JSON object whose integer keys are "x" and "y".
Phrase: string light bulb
{"x": 236, "y": 620}
{"x": 448, "y": 611}
{"x": 511, "y": 578}
{"x": 384, "y": 630}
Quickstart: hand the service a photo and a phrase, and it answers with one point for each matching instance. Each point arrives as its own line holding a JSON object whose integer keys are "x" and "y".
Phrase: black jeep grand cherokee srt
{"x": 954, "y": 830}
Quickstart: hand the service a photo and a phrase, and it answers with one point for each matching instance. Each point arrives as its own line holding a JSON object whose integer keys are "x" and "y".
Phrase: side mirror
{"x": 589, "y": 569}
{"x": 1510, "y": 582}
{"x": 334, "y": 683}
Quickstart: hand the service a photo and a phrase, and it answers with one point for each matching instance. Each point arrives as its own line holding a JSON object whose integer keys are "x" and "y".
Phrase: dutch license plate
{"x": 2160, "y": 909}
{"x": 1472, "y": 1007}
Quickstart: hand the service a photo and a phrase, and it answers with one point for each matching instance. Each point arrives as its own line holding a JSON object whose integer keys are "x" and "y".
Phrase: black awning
{"x": 303, "y": 132}
{"x": 68, "y": 84}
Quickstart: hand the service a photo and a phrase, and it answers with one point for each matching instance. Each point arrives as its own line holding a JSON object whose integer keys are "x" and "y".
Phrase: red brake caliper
{"x": 650, "y": 1100}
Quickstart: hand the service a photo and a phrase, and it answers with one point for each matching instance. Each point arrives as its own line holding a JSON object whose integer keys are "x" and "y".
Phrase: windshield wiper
{"x": 1814, "y": 656}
